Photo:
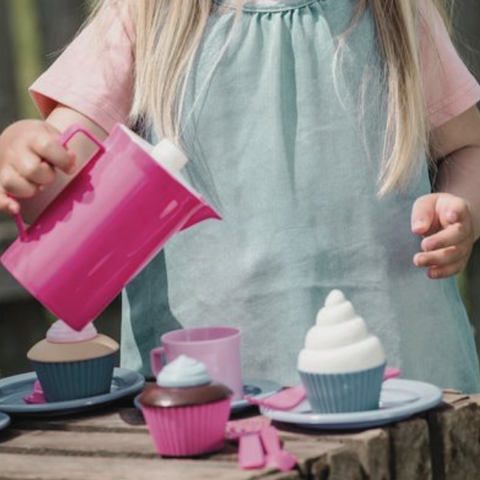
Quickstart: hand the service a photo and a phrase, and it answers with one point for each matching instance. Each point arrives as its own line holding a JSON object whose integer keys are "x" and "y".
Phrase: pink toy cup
{"x": 103, "y": 228}
{"x": 217, "y": 347}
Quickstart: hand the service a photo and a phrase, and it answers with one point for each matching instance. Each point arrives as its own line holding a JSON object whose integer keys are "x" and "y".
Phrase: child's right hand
{"x": 29, "y": 153}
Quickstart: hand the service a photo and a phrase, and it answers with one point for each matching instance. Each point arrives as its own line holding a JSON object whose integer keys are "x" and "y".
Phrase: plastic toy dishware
{"x": 216, "y": 347}
{"x": 246, "y": 431}
{"x": 289, "y": 398}
{"x": 275, "y": 455}
{"x": 37, "y": 396}
{"x": 104, "y": 226}
{"x": 14, "y": 389}
{"x": 400, "y": 399}
{"x": 259, "y": 444}
{"x": 4, "y": 420}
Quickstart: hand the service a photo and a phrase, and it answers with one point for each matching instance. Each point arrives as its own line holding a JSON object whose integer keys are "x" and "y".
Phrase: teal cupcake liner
{"x": 63, "y": 381}
{"x": 344, "y": 392}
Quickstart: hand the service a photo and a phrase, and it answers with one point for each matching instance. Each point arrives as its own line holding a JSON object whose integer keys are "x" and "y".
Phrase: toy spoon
{"x": 276, "y": 456}
{"x": 247, "y": 432}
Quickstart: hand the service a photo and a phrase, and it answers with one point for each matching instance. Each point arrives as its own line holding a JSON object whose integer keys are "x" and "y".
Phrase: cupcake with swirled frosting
{"x": 186, "y": 412}
{"x": 71, "y": 365}
{"x": 341, "y": 365}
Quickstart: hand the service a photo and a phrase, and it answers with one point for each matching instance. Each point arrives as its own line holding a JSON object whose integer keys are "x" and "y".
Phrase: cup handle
{"x": 22, "y": 230}
{"x": 72, "y": 130}
{"x": 64, "y": 138}
{"x": 156, "y": 363}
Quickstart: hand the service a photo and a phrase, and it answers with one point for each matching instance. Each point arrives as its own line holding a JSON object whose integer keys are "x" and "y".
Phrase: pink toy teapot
{"x": 104, "y": 226}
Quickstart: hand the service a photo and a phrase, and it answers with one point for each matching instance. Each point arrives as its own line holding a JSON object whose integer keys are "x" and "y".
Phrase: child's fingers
{"x": 49, "y": 149}
{"x": 33, "y": 169}
{"x": 452, "y": 235}
{"x": 14, "y": 184}
{"x": 8, "y": 204}
{"x": 423, "y": 214}
{"x": 438, "y": 272}
{"x": 443, "y": 257}
{"x": 452, "y": 209}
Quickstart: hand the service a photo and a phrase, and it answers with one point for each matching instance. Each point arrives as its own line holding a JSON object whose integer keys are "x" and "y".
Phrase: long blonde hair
{"x": 168, "y": 33}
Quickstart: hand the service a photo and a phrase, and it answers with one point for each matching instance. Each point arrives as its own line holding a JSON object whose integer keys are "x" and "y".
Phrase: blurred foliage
{"x": 27, "y": 43}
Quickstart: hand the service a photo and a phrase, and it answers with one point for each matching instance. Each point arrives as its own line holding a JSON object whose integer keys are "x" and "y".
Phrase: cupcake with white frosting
{"x": 342, "y": 364}
{"x": 186, "y": 412}
{"x": 71, "y": 365}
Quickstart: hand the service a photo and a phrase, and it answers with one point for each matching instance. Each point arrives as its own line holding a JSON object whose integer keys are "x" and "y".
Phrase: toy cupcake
{"x": 72, "y": 365}
{"x": 342, "y": 365}
{"x": 186, "y": 412}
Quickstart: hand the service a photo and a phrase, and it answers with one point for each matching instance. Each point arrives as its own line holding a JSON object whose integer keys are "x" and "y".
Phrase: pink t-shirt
{"x": 100, "y": 86}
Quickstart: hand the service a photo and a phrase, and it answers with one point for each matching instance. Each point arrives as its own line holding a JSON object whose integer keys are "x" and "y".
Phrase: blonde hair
{"x": 168, "y": 33}
{"x": 407, "y": 135}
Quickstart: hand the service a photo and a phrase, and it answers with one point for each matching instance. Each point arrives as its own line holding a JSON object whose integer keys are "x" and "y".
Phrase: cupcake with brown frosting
{"x": 72, "y": 365}
{"x": 186, "y": 412}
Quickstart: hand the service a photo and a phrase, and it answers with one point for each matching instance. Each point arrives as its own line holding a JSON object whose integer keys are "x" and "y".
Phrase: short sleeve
{"x": 449, "y": 87}
{"x": 94, "y": 75}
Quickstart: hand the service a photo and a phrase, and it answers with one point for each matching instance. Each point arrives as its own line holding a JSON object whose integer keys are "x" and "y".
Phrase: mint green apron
{"x": 278, "y": 145}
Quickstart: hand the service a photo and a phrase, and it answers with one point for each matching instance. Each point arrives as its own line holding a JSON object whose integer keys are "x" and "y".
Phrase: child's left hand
{"x": 445, "y": 222}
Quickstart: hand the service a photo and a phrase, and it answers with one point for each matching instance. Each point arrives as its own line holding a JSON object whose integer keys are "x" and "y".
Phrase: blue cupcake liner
{"x": 343, "y": 392}
{"x": 62, "y": 381}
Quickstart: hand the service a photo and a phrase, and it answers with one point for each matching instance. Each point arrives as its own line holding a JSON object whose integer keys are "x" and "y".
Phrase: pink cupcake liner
{"x": 189, "y": 430}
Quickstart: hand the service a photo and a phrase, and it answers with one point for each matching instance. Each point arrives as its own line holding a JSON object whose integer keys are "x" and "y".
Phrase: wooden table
{"x": 113, "y": 443}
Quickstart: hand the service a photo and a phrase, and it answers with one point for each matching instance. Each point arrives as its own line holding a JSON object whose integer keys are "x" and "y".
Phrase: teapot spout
{"x": 205, "y": 212}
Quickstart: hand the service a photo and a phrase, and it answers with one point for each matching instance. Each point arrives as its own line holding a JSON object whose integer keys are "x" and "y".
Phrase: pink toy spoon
{"x": 283, "y": 400}
{"x": 37, "y": 395}
{"x": 276, "y": 456}
{"x": 247, "y": 432}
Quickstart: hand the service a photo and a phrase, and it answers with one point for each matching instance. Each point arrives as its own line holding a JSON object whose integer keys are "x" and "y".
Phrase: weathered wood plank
{"x": 95, "y": 444}
{"x": 313, "y": 452}
{"x": 38, "y": 467}
{"x": 410, "y": 447}
{"x": 70, "y": 445}
{"x": 342, "y": 464}
{"x": 102, "y": 420}
{"x": 135, "y": 444}
{"x": 455, "y": 439}
{"x": 372, "y": 447}
{"x": 442, "y": 444}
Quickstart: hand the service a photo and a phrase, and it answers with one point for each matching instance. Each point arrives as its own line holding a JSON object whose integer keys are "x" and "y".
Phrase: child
{"x": 307, "y": 124}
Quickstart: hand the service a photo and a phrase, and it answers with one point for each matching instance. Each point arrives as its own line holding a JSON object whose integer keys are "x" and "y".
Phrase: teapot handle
{"x": 64, "y": 138}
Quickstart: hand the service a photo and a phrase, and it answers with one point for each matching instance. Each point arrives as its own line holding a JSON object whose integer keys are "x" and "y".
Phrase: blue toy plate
{"x": 4, "y": 420}
{"x": 13, "y": 389}
{"x": 399, "y": 399}
{"x": 252, "y": 387}
{"x": 256, "y": 388}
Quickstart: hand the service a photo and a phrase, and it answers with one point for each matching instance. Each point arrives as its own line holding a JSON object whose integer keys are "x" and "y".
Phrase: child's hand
{"x": 29, "y": 151}
{"x": 445, "y": 222}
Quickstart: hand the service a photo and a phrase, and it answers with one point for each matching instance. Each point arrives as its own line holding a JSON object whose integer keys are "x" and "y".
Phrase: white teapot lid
{"x": 166, "y": 153}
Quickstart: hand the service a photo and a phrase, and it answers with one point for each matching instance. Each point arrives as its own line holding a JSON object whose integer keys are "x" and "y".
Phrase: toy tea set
{"x": 94, "y": 237}
{"x": 100, "y": 230}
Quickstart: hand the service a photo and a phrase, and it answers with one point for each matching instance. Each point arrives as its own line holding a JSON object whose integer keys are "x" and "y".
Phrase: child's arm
{"x": 449, "y": 220}
{"x": 30, "y": 154}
